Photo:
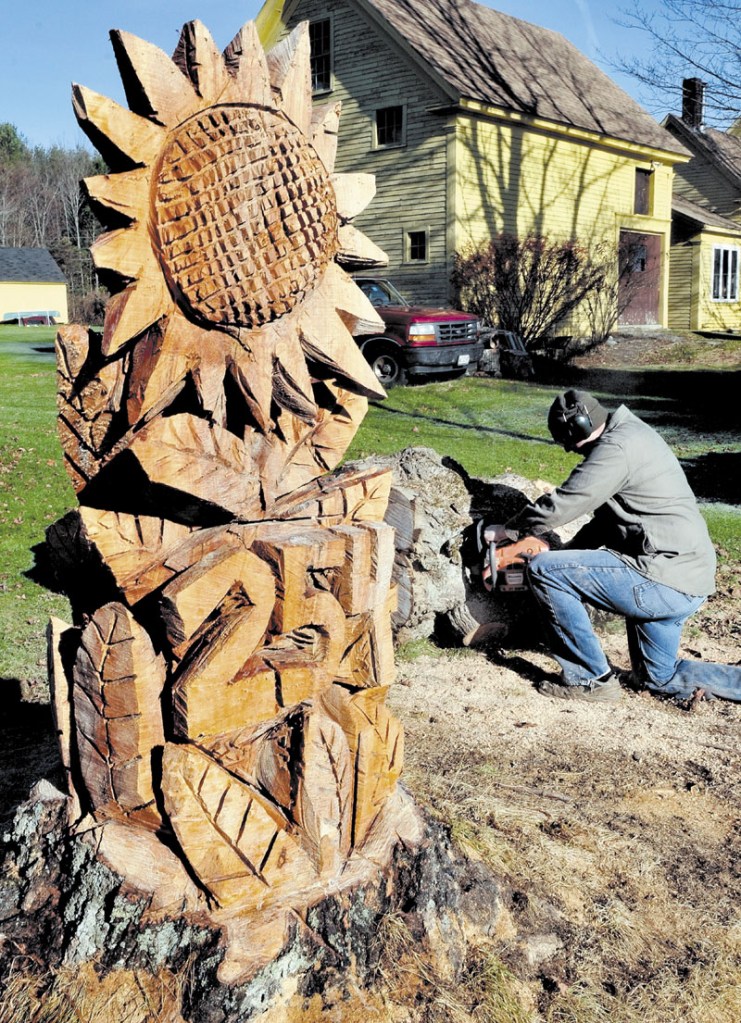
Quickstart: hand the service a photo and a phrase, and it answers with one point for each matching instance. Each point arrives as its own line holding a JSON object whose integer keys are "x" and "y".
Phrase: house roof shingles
{"x": 30, "y": 266}
{"x": 499, "y": 60}
{"x": 702, "y": 215}
{"x": 723, "y": 148}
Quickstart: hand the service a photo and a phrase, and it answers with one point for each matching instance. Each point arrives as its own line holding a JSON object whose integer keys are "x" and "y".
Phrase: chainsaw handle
{"x": 492, "y": 558}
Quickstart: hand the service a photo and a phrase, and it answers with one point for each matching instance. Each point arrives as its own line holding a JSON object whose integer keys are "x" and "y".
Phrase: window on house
{"x": 320, "y": 39}
{"x": 637, "y": 258}
{"x": 642, "y": 203}
{"x": 725, "y": 274}
{"x": 416, "y": 247}
{"x": 389, "y": 127}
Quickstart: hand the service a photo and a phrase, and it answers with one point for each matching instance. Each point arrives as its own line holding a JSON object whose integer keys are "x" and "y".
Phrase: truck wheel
{"x": 386, "y": 363}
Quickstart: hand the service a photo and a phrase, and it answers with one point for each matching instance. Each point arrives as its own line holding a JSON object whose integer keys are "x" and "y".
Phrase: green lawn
{"x": 489, "y": 426}
{"x": 34, "y": 491}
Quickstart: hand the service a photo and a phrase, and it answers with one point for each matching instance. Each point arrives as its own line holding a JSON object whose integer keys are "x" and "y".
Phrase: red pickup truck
{"x": 417, "y": 340}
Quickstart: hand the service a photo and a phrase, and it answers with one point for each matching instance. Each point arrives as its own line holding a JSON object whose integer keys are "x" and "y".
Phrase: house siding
{"x": 517, "y": 180}
{"x": 369, "y": 71}
{"x": 27, "y": 297}
{"x": 684, "y": 264}
{"x": 464, "y": 175}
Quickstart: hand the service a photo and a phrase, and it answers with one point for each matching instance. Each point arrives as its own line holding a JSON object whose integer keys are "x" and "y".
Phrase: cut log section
{"x": 59, "y": 635}
{"x": 118, "y": 682}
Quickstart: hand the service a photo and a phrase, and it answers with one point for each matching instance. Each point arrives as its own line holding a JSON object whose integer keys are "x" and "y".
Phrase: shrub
{"x": 527, "y": 285}
{"x": 621, "y": 287}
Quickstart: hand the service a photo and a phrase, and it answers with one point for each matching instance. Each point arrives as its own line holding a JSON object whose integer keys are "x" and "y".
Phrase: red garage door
{"x": 640, "y": 272}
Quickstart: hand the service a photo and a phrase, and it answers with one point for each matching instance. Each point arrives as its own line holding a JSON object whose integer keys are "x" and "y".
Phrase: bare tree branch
{"x": 690, "y": 38}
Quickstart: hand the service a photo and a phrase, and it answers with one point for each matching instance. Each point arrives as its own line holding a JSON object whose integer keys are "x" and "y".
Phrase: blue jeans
{"x": 564, "y": 581}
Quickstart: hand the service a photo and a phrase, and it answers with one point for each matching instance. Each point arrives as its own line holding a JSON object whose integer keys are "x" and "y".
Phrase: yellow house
{"x": 476, "y": 123}
{"x": 705, "y": 291}
{"x": 32, "y": 287}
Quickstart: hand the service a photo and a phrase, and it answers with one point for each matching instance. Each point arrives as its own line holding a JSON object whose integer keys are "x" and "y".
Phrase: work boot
{"x": 607, "y": 691}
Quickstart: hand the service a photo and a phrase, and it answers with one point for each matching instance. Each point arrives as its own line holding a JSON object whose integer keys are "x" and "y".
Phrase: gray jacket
{"x": 644, "y": 509}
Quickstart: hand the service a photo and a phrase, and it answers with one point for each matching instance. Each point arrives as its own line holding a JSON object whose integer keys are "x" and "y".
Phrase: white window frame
{"x": 724, "y": 273}
{"x": 390, "y": 145}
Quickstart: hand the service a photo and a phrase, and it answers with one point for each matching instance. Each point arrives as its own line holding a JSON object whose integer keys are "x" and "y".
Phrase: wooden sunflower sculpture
{"x": 233, "y": 315}
{"x": 224, "y": 683}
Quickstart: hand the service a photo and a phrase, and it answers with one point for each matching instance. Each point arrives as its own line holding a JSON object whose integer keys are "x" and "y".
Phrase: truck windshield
{"x": 381, "y": 293}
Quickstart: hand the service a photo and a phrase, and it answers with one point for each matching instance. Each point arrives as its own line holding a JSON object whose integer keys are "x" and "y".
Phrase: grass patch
{"x": 488, "y": 993}
{"x": 704, "y": 353}
{"x": 414, "y": 649}
{"x": 488, "y": 426}
{"x": 724, "y": 523}
{"x": 34, "y": 492}
{"x": 73, "y": 994}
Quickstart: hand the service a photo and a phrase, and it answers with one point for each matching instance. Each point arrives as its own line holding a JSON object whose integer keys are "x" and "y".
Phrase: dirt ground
{"x": 658, "y": 348}
{"x": 614, "y": 829}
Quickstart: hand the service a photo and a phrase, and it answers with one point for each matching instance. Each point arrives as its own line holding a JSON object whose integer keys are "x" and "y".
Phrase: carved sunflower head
{"x": 230, "y": 222}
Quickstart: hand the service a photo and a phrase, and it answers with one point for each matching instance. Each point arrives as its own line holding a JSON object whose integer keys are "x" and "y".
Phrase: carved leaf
{"x": 118, "y": 681}
{"x": 376, "y": 742}
{"x": 234, "y": 839}
{"x": 324, "y": 803}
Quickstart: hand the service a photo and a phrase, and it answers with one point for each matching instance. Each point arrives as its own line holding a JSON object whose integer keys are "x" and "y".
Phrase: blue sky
{"x": 48, "y": 44}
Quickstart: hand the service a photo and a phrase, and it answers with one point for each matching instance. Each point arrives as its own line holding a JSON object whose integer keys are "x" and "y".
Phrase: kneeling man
{"x": 645, "y": 554}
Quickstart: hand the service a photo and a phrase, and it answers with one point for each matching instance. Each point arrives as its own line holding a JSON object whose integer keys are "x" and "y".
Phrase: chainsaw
{"x": 510, "y": 560}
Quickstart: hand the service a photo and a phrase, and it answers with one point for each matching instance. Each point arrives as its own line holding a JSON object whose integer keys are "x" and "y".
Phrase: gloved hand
{"x": 487, "y": 533}
{"x": 496, "y": 533}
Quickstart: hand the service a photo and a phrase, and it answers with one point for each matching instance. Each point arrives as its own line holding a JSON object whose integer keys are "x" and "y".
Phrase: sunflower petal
{"x": 290, "y": 73}
{"x": 133, "y": 310}
{"x": 256, "y": 367}
{"x": 126, "y": 193}
{"x": 115, "y": 131}
{"x": 292, "y": 388}
{"x": 245, "y": 62}
{"x": 199, "y": 59}
{"x": 127, "y": 252}
{"x": 325, "y": 126}
{"x": 354, "y": 308}
{"x": 358, "y": 251}
{"x": 354, "y": 192}
{"x": 241, "y": 376}
{"x": 326, "y": 340}
{"x": 154, "y": 86}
